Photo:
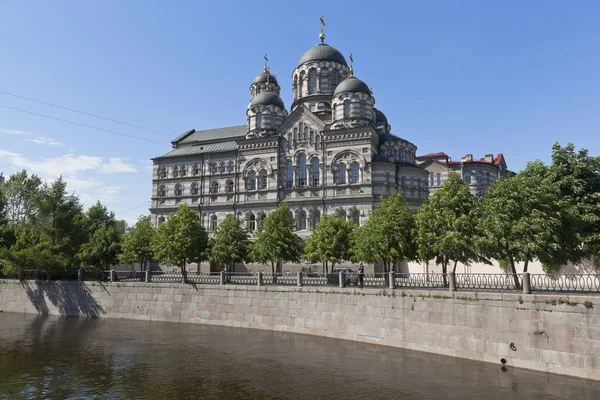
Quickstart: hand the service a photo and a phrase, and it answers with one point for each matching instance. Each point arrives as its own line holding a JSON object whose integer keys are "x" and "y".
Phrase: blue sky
{"x": 454, "y": 76}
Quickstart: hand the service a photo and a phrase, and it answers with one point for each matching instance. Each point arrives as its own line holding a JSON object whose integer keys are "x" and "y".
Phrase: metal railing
{"x": 421, "y": 281}
{"x": 130, "y": 276}
{"x": 488, "y": 282}
{"x": 588, "y": 283}
{"x": 213, "y": 278}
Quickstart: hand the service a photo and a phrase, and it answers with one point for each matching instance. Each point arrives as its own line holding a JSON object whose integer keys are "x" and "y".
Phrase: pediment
{"x": 301, "y": 114}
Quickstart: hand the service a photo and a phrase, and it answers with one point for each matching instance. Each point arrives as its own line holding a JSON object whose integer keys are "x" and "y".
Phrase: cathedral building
{"x": 332, "y": 152}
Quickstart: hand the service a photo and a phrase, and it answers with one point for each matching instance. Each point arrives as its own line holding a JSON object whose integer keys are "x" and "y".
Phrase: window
{"x": 301, "y": 221}
{"x": 312, "y": 137}
{"x": 340, "y": 213}
{"x": 214, "y": 187}
{"x": 289, "y": 141}
{"x": 431, "y": 179}
{"x": 295, "y": 135}
{"x": 317, "y": 142}
{"x": 302, "y": 170}
{"x": 164, "y": 173}
{"x": 252, "y": 180}
{"x": 341, "y": 174}
{"x": 289, "y": 175}
{"x": 163, "y": 191}
{"x": 439, "y": 179}
{"x": 315, "y": 172}
{"x": 251, "y": 222}
{"x": 346, "y": 110}
{"x": 229, "y": 186}
{"x": 184, "y": 171}
{"x": 273, "y": 120}
{"x": 178, "y": 190}
{"x": 355, "y": 170}
{"x": 306, "y": 133}
{"x": 214, "y": 168}
{"x": 314, "y": 221}
{"x": 263, "y": 179}
{"x": 355, "y": 217}
{"x": 312, "y": 81}
{"x": 261, "y": 220}
{"x": 231, "y": 167}
{"x": 258, "y": 121}
{"x": 195, "y": 189}
{"x": 196, "y": 170}
{"x": 334, "y": 80}
{"x": 176, "y": 172}
{"x": 223, "y": 168}
{"x": 479, "y": 177}
{"x": 161, "y": 220}
{"x": 467, "y": 176}
{"x": 213, "y": 222}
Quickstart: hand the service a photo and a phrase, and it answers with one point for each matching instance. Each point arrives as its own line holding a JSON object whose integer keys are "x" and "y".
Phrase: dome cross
{"x": 322, "y": 35}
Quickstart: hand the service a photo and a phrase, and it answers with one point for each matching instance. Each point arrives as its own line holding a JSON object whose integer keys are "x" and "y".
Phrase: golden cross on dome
{"x": 322, "y": 35}
{"x": 351, "y": 69}
{"x": 266, "y": 61}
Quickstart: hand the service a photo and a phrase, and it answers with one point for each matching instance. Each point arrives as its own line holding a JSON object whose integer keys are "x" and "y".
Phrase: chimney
{"x": 489, "y": 158}
{"x": 467, "y": 158}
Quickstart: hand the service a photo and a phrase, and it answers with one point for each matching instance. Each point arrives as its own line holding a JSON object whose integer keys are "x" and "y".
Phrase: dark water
{"x": 60, "y": 358}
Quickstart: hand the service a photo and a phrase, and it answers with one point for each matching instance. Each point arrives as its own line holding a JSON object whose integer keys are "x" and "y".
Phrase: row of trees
{"x": 545, "y": 212}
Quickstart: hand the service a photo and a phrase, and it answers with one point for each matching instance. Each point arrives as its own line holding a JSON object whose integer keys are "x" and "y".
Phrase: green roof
{"x": 230, "y": 132}
{"x": 207, "y": 148}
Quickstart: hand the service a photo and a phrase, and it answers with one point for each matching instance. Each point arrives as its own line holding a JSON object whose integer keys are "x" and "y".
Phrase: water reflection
{"x": 49, "y": 357}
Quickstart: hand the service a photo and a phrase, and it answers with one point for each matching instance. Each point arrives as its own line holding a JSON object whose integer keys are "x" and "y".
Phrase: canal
{"x": 45, "y": 357}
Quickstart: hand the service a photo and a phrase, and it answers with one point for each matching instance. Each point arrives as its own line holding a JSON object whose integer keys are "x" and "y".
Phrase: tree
{"x": 102, "y": 249}
{"x": 387, "y": 235}
{"x": 3, "y": 219}
{"x": 20, "y": 192}
{"x": 276, "y": 239}
{"x": 445, "y": 225}
{"x": 330, "y": 241}
{"x": 230, "y": 243}
{"x": 97, "y": 215}
{"x": 136, "y": 244}
{"x": 181, "y": 240}
{"x": 520, "y": 220}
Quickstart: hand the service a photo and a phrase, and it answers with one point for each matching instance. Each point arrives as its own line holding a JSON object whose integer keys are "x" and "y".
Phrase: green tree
{"x": 230, "y": 243}
{"x": 20, "y": 192}
{"x": 276, "y": 240}
{"x": 181, "y": 240}
{"x": 136, "y": 244}
{"x": 3, "y": 218}
{"x": 520, "y": 220}
{"x": 102, "y": 249}
{"x": 445, "y": 225}
{"x": 98, "y": 215}
{"x": 330, "y": 241}
{"x": 387, "y": 235}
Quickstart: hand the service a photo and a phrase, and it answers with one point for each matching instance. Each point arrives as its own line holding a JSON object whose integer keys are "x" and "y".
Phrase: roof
{"x": 495, "y": 160}
{"x": 267, "y": 99}
{"x": 380, "y": 116}
{"x": 264, "y": 76}
{"x": 194, "y": 150}
{"x": 230, "y": 132}
{"x": 433, "y": 155}
{"x": 322, "y": 52}
{"x": 352, "y": 84}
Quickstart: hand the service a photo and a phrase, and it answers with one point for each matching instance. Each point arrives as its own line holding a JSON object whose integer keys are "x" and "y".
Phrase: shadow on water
{"x": 70, "y": 298}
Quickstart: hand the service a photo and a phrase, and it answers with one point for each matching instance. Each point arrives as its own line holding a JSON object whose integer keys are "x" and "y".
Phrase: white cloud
{"x": 31, "y": 137}
{"x": 117, "y": 165}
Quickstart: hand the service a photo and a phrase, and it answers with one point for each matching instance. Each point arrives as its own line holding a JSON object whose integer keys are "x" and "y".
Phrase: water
{"x": 60, "y": 358}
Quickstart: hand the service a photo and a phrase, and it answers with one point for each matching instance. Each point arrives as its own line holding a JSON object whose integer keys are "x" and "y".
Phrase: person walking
{"x": 361, "y": 274}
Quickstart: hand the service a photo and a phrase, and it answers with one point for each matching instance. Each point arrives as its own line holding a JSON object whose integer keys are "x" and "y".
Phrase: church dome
{"x": 323, "y": 52}
{"x": 353, "y": 85}
{"x": 263, "y": 77}
{"x": 380, "y": 118}
{"x": 267, "y": 99}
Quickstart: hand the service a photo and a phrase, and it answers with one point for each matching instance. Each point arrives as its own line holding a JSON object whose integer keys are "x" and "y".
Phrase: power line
{"x": 132, "y": 208}
{"x": 80, "y": 124}
{"x": 85, "y": 113}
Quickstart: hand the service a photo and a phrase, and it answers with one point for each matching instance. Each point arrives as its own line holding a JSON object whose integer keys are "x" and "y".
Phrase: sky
{"x": 462, "y": 77}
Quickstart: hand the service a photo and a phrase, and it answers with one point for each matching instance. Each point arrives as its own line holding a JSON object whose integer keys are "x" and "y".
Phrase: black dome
{"x": 263, "y": 78}
{"x": 353, "y": 85}
{"x": 322, "y": 52}
{"x": 380, "y": 118}
{"x": 267, "y": 99}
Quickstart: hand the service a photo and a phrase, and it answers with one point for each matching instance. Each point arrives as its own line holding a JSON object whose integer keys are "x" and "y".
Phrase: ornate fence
{"x": 488, "y": 282}
{"x": 420, "y": 281}
{"x": 589, "y": 283}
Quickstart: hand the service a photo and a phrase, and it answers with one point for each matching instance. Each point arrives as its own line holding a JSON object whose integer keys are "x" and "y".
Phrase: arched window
{"x": 295, "y": 135}
{"x": 314, "y": 221}
{"x": 302, "y": 170}
{"x": 163, "y": 191}
{"x": 164, "y": 172}
{"x": 178, "y": 190}
{"x": 176, "y": 172}
{"x": 289, "y": 175}
{"x": 263, "y": 179}
{"x": 346, "y": 110}
{"x": 341, "y": 178}
{"x": 251, "y": 222}
{"x": 317, "y": 142}
{"x": 312, "y": 137}
{"x": 431, "y": 179}
{"x": 355, "y": 216}
{"x": 213, "y": 222}
{"x": 252, "y": 180}
{"x": 223, "y": 168}
{"x": 161, "y": 220}
{"x": 273, "y": 120}
{"x": 306, "y": 133}
{"x": 479, "y": 177}
{"x": 214, "y": 168}
{"x": 315, "y": 172}
{"x": 334, "y": 80}
{"x": 340, "y": 213}
{"x": 312, "y": 81}
{"x": 184, "y": 170}
{"x": 300, "y": 84}
{"x": 214, "y": 187}
{"x": 289, "y": 141}
{"x": 439, "y": 179}
{"x": 196, "y": 170}
{"x": 229, "y": 186}
{"x": 261, "y": 220}
{"x": 258, "y": 121}
{"x": 300, "y": 130}
{"x": 355, "y": 172}
{"x": 195, "y": 189}
{"x": 301, "y": 221}
{"x": 231, "y": 166}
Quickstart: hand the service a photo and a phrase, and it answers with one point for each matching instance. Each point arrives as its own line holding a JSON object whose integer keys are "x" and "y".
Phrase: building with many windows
{"x": 478, "y": 174}
{"x": 331, "y": 152}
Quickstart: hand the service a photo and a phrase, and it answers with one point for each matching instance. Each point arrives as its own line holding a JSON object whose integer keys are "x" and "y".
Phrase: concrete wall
{"x": 545, "y": 334}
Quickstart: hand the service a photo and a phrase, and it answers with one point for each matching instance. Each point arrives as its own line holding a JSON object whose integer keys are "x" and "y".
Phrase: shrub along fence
{"x": 525, "y": 282}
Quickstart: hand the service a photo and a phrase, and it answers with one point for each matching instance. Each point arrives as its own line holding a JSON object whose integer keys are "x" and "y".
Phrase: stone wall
{"x": 553, "y": 333}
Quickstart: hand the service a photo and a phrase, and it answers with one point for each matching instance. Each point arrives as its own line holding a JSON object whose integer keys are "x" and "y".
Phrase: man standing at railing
{"x": 361, "y": 274}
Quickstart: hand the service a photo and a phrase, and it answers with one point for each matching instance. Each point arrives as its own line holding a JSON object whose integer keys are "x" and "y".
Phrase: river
{"x": 44, "y": 357}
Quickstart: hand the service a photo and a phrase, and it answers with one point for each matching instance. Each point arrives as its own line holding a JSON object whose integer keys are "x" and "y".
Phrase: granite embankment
{"x": 553, "y": 333}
